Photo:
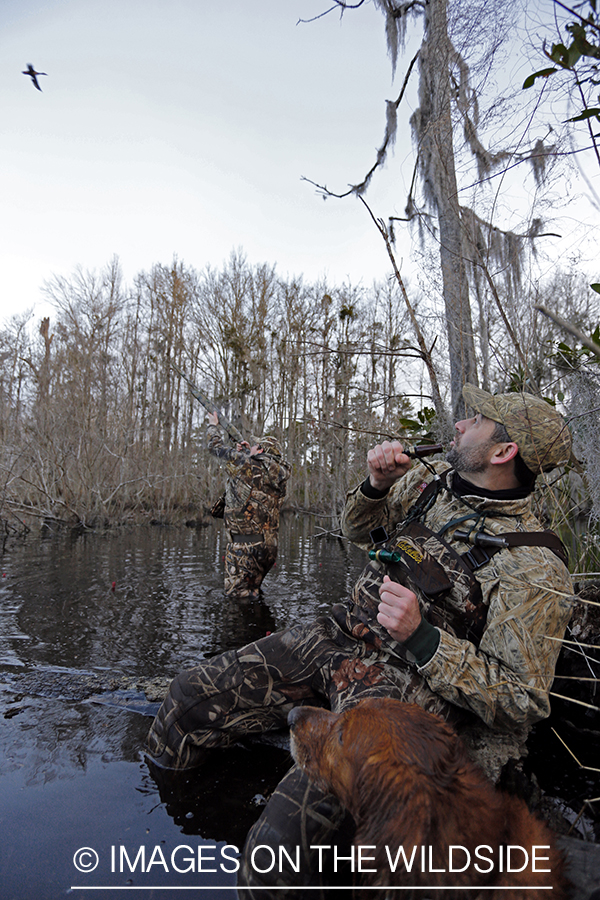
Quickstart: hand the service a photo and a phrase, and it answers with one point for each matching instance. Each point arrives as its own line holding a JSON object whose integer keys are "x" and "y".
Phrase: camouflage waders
{"x": 250, "y": 691}
{"x": 246, "y": 564}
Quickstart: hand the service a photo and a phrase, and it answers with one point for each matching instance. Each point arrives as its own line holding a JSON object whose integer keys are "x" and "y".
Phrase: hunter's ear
{"x": 504, "y": 453}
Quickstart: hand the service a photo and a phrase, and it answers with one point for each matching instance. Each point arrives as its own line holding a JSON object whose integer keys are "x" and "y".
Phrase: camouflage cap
{"x": 270, "y": 445}
{"x": 538, "y": 430}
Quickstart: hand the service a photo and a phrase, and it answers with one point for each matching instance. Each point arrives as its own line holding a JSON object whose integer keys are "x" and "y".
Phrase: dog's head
{"x": 407, "y": 780}
{"x": 379, "y": 751}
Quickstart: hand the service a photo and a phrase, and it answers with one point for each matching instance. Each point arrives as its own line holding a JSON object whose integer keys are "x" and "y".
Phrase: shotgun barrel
{"x": 210, "y": 407}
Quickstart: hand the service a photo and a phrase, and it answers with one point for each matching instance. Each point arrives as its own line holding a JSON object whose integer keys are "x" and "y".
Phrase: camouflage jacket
{"x": 256, "y": 487}
{"x": 504, "y": 675}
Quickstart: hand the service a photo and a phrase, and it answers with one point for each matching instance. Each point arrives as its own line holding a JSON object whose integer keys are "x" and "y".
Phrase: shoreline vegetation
{"x": 98, "y": 430}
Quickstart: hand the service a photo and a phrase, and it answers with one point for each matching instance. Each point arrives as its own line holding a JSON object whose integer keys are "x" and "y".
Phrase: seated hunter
{"x": 256, "y": 486}
{"x": 461, "y": 610}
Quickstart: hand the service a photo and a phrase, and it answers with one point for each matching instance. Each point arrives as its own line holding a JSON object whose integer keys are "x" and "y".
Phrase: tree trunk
{"x": 436, "y": 150}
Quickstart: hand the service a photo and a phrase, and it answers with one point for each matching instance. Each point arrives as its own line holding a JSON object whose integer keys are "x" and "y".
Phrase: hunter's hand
{"x": 399, "y": 611}
{"x": 387, "y": 462}
{"x": 213, "y": 418}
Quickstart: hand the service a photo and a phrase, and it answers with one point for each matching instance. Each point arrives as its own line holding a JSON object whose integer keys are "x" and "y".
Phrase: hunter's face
{"x": 472, "y": 447}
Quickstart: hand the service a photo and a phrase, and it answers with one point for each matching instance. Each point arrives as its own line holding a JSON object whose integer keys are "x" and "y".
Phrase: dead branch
{"x": 339, "y": 4}
{"x": 335, "y": 533}
{"x": 568, "y": 749}
{"x": 381, "y": 152}
{"x": 568, "y": 326}
{"x": 425, "y": 353}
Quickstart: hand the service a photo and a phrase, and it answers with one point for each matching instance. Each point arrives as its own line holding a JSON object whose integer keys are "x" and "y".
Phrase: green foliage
{"x": 590, "y": 113}
{"x": 543, "y": 73}
{"x": 582, "y": 33}
{"x": 520, "y": 380}
{"x": 420, "y": 430}
{"x": 571, "y": 358}
{"x": 577, "y": 54}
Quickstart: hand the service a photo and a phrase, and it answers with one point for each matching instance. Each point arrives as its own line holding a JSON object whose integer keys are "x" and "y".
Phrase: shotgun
{"x": 209, "y": 406}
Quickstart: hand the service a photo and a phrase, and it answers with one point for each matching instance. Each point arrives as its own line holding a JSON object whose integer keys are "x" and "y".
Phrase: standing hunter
{"x": 257, "y": 479}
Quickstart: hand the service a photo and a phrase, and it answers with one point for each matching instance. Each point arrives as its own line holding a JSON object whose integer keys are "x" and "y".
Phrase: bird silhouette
{"x": 32, "y": 74}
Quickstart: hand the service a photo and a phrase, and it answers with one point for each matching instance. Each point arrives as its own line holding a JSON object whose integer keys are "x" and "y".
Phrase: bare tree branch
{"x": 382, "y": 151}
{"x": 572, "y": 12}
{"x": 568, "y": 326}
{"x": 425, "y": 353}
{"x": 338, "y": 5}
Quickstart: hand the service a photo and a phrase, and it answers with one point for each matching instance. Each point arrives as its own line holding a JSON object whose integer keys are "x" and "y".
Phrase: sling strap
{"x": 484, "y": 545}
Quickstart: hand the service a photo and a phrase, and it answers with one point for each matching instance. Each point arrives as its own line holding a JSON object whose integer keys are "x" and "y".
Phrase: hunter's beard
{"x": 471, "y": 461}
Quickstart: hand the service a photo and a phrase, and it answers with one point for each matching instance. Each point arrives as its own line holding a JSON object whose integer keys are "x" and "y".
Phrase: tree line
{"x": 97, "y": 428}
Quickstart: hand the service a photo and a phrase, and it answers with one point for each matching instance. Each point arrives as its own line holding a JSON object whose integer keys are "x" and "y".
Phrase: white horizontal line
{"x": 379, "y": 887}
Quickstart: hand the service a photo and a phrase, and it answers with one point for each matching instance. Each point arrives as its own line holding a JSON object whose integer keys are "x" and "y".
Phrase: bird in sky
{"x": 32, "y": 74}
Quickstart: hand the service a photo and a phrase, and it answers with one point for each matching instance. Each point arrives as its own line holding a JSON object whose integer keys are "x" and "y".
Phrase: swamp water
{"x": 72, "y": 776}
{"x": 80, "y": 814}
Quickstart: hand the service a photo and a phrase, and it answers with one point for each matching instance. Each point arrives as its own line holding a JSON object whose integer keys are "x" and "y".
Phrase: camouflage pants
{"x": 246, "y": 565}
{"x": 250, "y": 691}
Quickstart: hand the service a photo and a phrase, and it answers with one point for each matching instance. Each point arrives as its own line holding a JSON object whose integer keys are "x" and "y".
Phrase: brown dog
{"x": 425, "y": 815}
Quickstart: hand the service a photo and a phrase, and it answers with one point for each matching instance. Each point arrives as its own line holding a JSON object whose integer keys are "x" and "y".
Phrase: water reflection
{"x": 225, "y": 797}
{"x": 101, "y": 609}
{"x": 167, "y": 609}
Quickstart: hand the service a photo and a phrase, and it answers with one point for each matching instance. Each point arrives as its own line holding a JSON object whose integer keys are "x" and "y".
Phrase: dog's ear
{"x": 336, "y": 763}
{"x": 424, "y": 741}
{"x": 444, "y": 757}
{"x": 388, "y": 805}
{"x": 372, "y": 749}
{"x": 399, "y": 749}
{"x": 395, "y": 802}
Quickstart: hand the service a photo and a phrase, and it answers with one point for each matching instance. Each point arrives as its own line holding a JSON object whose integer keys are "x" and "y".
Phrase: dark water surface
{"x": 72, "y": 775}
{"x": 71, "y": 771}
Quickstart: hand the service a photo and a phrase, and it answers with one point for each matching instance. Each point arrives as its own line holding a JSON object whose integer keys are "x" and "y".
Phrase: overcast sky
{"x": 184, "y": 127}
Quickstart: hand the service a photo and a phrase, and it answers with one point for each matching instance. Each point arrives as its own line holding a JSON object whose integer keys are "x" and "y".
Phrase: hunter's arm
{"x": 506, "y": 680}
